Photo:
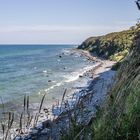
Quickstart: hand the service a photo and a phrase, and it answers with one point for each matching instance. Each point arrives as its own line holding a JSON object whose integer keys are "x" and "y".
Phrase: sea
{"x": 35, "y": 70}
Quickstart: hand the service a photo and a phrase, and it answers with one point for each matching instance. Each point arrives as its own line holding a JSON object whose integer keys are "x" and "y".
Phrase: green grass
{"x": 120, "y": 119}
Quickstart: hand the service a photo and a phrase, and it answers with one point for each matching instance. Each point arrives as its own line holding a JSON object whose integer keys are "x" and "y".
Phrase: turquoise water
{"x": 37, "y": 69}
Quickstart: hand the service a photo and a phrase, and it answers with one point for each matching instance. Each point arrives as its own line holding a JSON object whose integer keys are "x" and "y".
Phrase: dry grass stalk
{"x": 78, "y": 135}
{"x": 42, "y": 102}
{"x": 20, "y": 123}
{"x": 28, "y": 119}
{"x": 24, "y": 105}
{"x": 3, "y": 129}
{"x": 3, "y": 125}
{"x": 2, "y": 104}
{"x": 35, "y": 120}
{"x": 28, "y": 104}
{"x": 63, "y": 97}
{"x": 40, "y": 107}
{"x": 10, "y": 122}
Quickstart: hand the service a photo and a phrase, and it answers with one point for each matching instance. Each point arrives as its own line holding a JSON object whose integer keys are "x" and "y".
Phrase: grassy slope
{"x": 119, "y": 119}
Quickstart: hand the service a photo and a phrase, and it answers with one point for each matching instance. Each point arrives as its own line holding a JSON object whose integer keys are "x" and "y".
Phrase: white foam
{"x": 72, "y": 76}
{"x": 75, "y": 75}
{"x": 58, "y": 60}
{"x": 44, "y": 71}
{"x": 52, "y": 87}
{"x": 66, "y": 51}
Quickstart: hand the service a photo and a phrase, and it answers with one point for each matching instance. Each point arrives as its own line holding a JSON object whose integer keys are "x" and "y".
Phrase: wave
{"x": 72, "y": 77}
{"x": 52, "y": 87}
{"x": 44, "y": 71}
{"x": 75, "y": 75}
{"x": 66, "y": 51}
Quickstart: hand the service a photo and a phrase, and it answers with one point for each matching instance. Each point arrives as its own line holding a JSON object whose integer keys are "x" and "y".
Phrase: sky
{"x": 63, "y": 21}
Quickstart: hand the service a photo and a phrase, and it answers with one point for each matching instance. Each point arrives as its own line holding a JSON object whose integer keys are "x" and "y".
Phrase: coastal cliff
{"x": 119, "y": 117}
{"x": 113, "y": 46}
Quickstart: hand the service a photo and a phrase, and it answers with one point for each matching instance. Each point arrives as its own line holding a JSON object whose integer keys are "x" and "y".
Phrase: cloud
{"x": 63, "y": 28}
{"x": 54, "y": 33}
{"x": 44, "y": 28}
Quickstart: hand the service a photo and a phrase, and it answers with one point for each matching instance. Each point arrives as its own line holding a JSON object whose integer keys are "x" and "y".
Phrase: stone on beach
{"x": 89, "y": 98}
{"x": 47, "y": 124}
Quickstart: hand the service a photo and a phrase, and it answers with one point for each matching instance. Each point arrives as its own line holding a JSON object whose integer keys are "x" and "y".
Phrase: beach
{"x": 83, "y": 103}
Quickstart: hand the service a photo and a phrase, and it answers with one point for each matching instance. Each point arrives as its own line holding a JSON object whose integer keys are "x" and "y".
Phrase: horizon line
{"x": 38, "y": 44}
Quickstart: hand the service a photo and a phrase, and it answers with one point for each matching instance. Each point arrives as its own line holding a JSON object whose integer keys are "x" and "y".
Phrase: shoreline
{"x": 85, "y": 100}
{"x": 88, "y": 99}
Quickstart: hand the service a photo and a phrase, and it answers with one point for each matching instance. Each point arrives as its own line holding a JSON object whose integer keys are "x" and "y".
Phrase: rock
{"x": 49, "y": 81}
{"x": 28, "y": 137}
{"x": 53, "y": 98}
{"x": 96, "y": 100}
{"x": 45, "y": 110}
{"x": 45, "y": 131}
{"x": 47, "y": 124}
{"x": 13, "y": 136}
{"x": 39, "y": 126}
{"x": 33, "y": 131}
{"x": 17, "y": 130}
{"x": 18, "y": 138}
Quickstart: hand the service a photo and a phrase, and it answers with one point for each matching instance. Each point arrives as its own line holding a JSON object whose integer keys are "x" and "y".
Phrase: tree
{"x": 138, "y": 4}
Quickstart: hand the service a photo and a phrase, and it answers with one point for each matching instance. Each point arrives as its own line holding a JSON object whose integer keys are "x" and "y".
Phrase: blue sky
{"x": 62, "y": 21}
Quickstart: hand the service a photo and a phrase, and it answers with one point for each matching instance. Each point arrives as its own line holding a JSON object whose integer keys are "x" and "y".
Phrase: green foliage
{"x": 121, "y": 117}
{"x": 74, "y": 129}
{"x": 114, "y": 46}
{"x": 116, "y": 66}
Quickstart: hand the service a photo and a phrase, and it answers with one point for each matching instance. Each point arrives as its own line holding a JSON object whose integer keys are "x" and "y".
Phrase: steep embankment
{"x": 119, "y": 119}
{"x": 114, "y": 46}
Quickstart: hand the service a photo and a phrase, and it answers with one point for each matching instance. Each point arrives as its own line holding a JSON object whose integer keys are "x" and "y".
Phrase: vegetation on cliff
{"x": 114, "y": 46}
{"x": 119, "y": 117}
